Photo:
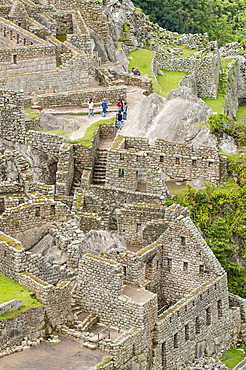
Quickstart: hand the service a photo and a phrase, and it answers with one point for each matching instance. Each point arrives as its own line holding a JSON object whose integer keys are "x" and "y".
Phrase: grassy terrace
{"x": 216, "y": 104}
{"x": 11, "y": 290}
{"x": 142, "y": 59}
{"x": 232, "y": 357}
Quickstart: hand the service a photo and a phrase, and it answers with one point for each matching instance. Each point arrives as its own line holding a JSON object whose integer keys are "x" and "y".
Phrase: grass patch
{"x": 10, "y": 289}
{"x": 225, "y": 62}
{"x": 187, "y": 52}
{"x": 105, "y": 362}
{"x": 141, "y": 59}
{"x": 72, "y": 113}
{"x": 241, "y": 113}
{"x": 170, "y": 81}
{"x": 216, "y": 104}
{"x": 59, "y": 132}
{"x": 232, "y": 357}
{"x": 29, "y": 113}
{"x": 62, "y": 38}
{"x": 86, "y": 140}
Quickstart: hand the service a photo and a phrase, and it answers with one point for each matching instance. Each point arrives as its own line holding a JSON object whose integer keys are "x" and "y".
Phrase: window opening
{"x": 208, "y": 316}
{"x": 175, "y": 340}
{"x": 197, "y": 325}
{"x": 219, "y": 306}
{"x": 187, "y": 332}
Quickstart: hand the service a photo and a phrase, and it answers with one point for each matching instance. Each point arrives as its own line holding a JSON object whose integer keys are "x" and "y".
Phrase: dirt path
{"x": 66, "y": 355}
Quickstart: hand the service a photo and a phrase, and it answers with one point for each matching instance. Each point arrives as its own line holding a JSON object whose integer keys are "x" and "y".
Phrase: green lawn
{"x": 241, "y": 113}
{"x": 29, "y": 113}
{"x": 86, "y": 140}
{"x": 232, "y": 357}
{"x": 186, "y": 52}
{"x": 225, "y": 62}
{"x": 216, "y": 104}
{"x": 141, "y": 59}
{"x": 11, "y": 290}
{"x": 170, "y": 81}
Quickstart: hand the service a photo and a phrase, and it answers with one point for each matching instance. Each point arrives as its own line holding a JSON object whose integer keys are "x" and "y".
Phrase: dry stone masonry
{"x": 86, "y": 228}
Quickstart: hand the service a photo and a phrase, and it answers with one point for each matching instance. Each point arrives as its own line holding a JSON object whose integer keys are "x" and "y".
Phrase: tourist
{"x": 120, "y": 105}
{"x": 136, "y": 72}
{"x": 104, "y": 107}
{"x": 119, "y": 118}
{"x": 132, "y": 70}
{"x": 125, "y": 110}
{"x": 90, "y": 108}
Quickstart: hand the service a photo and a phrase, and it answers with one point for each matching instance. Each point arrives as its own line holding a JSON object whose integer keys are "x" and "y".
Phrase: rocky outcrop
{"x": 177, "y": 119}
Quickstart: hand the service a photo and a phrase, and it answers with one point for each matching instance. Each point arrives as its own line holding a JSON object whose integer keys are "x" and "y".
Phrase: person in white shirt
{"x": 90, "y": 108}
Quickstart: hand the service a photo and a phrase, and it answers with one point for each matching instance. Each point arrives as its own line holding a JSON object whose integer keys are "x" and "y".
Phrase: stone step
{"x": 90, "y": 345}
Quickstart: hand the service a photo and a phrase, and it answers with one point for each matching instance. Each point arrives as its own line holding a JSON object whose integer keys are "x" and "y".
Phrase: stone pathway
{"x": 66, "y": 355}
{"x": 134, "y": 96}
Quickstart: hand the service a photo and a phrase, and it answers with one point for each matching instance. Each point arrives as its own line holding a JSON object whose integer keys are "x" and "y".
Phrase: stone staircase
{"x": 100, "y": 164}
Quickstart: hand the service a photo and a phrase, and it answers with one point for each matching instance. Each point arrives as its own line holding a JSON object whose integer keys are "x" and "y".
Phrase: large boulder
{"x": 179, "y": 118}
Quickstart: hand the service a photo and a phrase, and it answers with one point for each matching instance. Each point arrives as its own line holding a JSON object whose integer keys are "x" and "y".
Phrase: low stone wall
{"x": 77, "y": 98}
{"x": 67, "y": 77}
{"x": 28, "y": 324}
{"x": 14, "y": 259}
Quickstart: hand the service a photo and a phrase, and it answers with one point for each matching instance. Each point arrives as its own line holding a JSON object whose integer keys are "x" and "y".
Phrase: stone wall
{"x": 205, "y": 68}
{"x": 188, "y": 262}
{"x": 101, "y": 280}
{"x": 133, "y": 171}
{"x": 229, "y": 78}
{"x": 148, "y": 163}
{"x": 28, "y": 324}
{"x": 194, "y": 327}
{"x": 28, "y": 216}
{"x": 67, "y": 77}
{"x": 78, "y": 98}
{"x": 14, "y": 259}
{"x": 237, "y": 301}
{"x": 57, "y": 299}
{"x": 132, "y": 220}
{"x": 65, "y": 170}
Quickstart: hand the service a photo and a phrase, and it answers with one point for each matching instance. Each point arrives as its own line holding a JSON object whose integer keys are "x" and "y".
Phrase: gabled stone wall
{"x": 194, "y": 327}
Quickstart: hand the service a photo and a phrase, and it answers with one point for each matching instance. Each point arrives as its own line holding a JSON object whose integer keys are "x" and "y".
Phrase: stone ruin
{"x": 86, "y": 228}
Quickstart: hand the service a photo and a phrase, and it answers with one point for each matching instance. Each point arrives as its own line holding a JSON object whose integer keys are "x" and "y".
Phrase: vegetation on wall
{"x": 223, "y": 20}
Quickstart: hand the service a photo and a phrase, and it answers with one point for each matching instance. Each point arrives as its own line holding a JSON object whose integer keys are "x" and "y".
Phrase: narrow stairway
{"x": 100, "y": 164}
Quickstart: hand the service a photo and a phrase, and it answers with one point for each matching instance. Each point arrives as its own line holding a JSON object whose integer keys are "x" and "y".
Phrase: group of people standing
{"x": 120, "y": 116}
{"x": 122, "y": 112}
